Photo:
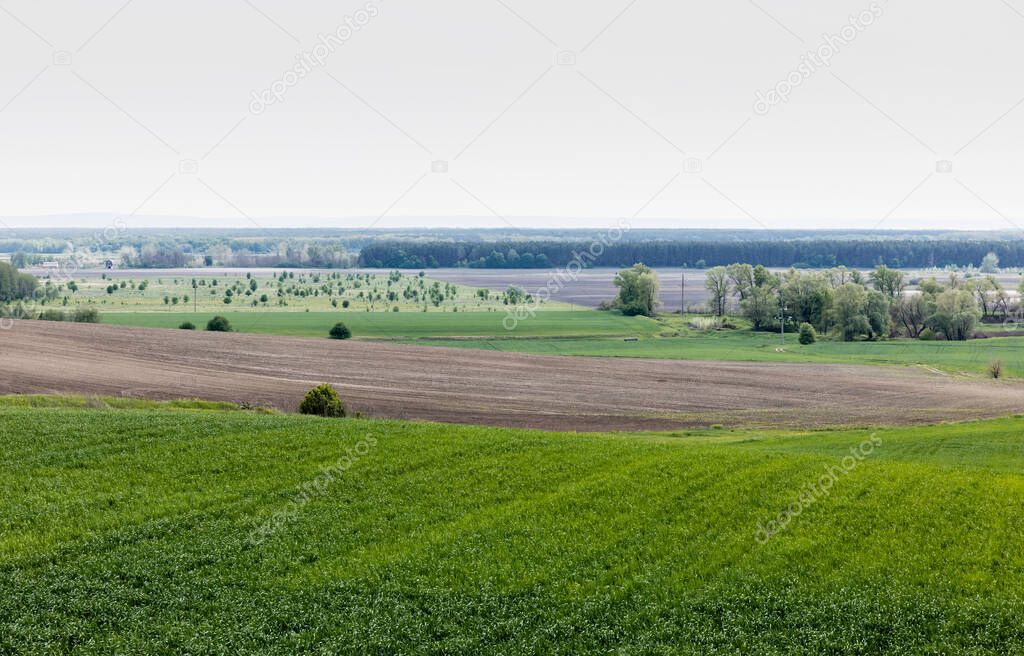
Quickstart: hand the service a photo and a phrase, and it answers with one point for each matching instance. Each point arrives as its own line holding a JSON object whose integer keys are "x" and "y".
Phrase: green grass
{"x": 591, "y": 333}
{"x": 388, "y": 325}
{"x": 326, "y": 290}
{"x": 128, "y": 531}
{"x": 116, "y": 403}
{"x": 970, "y": 357}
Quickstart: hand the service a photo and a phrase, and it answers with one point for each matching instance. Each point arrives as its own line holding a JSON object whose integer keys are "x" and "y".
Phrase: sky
{"x": 896, "y": 114}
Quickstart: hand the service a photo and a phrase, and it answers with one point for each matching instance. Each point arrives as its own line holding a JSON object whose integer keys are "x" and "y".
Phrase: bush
{"x": 219, "y": 324}
{"x": 187, "y": 325}
{"x": 340, "y": 331}
{"x": 705, "y": 324}
{"x": 807, "y": 334}
{"x": 927, "y": 335}
{"x": 323, "y": 401}
{"x": 86, "y": 315}
{"x": 995, "y": 368}
{"x": 52, "y": 315}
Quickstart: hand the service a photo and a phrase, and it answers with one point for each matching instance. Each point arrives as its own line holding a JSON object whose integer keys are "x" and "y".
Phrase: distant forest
{"x": 800, "y": 253}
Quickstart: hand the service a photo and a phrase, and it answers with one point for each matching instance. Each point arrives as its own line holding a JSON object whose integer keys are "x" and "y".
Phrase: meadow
{"x": 397, "y": 325}
{"x": 287, "y": 291}
{"x": 971, "y": 357}
{"x": 609, "y": 334}
{"x": 132, "y": 530}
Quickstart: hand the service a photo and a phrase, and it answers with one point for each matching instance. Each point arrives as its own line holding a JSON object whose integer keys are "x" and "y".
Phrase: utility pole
{"x": 682, "y": 293}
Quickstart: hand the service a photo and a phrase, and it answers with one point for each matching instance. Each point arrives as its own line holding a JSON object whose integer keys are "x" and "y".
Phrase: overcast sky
{"x": 527, "y": 113}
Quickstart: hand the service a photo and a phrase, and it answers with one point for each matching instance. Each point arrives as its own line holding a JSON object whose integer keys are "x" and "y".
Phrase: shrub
{"x": 52, "y": 315}
{"x": 323, "y": 401}
{"x": 995, "y": 368}
{"x": 927, "y": 335}
{"x": 340, "y": 331}
{"x": 807, "y": 334}
{"x": 219, "y": 324}
{"x": 705, "y": 324}
{"x": 187, "y": 325}
{"x": 86, "y": 315}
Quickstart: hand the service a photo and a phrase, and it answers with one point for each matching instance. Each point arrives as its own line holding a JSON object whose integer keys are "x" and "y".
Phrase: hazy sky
{"x": 522, "y": 112}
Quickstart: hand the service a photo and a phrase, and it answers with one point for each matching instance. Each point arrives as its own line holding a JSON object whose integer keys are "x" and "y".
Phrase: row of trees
{"x": 852, "y": 305}
{"x": 696, "y": 253}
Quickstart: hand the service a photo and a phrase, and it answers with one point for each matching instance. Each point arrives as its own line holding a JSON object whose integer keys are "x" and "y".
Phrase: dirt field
{"x": 481, "y": 387}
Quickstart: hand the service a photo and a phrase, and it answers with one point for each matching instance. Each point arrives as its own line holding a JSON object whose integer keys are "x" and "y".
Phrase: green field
{"x": 130, "y": 531}
{"x": 390, "y": 325}
{"x": 971, "y": 357}
{"x": 593, "y": 333}
{"x": 288, "y": 291}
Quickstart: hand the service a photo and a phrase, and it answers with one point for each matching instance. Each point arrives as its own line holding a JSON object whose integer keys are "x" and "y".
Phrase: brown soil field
{"x": 481, "y": 387}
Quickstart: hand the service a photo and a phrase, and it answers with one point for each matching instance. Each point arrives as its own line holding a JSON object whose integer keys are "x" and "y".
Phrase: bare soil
{"x": 481, "y": 387}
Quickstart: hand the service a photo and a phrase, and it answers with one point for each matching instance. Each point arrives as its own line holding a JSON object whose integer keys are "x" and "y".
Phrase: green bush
{"x": 807, "y": 334}
{"x": 927, "y": 335}
{"x": 187, "y": 325}
{"x": 219, "y": 324}
{"x": 52, "y": 315}
{"x": 323, "y": 401}
{"x": 86, "y": 315}
{"x": 340, "y": 331}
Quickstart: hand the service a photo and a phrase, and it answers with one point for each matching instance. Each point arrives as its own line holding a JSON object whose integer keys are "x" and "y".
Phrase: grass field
{"x": 382, "y": 325}
{"x": 593, "y": 333}
{"x": 972, "y": 357}
{"x": 132, "y": 531}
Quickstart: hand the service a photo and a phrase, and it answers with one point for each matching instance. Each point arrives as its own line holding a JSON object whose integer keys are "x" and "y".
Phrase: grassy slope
{"x": 126, "y": 530}
{"x": 405, "y": 324}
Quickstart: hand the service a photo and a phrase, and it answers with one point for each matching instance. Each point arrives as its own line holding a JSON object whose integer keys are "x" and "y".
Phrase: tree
{"x": 877, "y": 311}
{"x": 982, "y": 289}
{"x": 761, "y": 307}
{"x": 911, "y": 311}
{"x": 742, "y": 278}
{"x": 323, "y": 401}
{"x": 956, "y": 314}
{"x": 765, "y": 278}
{"x": 638, "y": 291}
{"x": 989, "y": 263}
{"x": 888, "y": 281}
{"x": 808, "y": 297}
{"x": 716, "y": 281}
{"x": 340, "y": 331}
{"x": 807, "y": 334}
{"x": 849, "y": 311}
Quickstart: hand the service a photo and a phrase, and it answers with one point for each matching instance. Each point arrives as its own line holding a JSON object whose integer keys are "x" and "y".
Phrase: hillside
{"x": 194, "y": 531}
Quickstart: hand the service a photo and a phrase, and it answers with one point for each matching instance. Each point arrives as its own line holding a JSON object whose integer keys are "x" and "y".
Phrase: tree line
{"x": 15, "y": 286}
{"x": 799, "y": 253}
{"x": 852, "y": 305}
